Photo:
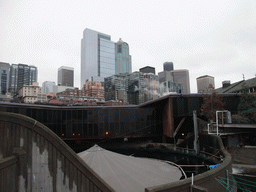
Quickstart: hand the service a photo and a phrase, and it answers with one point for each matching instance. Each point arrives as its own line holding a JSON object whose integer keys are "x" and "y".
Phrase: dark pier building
{"x": 155, "y": 119}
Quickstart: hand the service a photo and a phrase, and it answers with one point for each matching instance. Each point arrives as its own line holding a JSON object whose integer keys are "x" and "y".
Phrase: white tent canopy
{"x": 128, "y": 173}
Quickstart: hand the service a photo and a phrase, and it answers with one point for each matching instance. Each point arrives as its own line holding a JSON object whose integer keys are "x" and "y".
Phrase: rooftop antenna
{"x": 243, "y": 77}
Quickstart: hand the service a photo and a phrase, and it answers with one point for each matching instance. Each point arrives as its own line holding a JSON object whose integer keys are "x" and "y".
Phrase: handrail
{"x": 8, "y": 161}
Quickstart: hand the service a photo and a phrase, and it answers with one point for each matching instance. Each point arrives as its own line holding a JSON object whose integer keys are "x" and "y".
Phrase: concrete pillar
{"x": 168, "y": 120}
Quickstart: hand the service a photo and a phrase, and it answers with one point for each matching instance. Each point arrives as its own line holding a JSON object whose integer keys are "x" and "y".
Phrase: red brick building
{"x": 94, "y": 89}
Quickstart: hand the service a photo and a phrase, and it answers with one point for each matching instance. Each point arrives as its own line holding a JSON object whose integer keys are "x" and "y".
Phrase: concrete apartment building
{"x": 32, "y": 93}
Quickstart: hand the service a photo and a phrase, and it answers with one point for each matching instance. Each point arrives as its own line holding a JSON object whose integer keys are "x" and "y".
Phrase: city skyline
{"x": 208, "y": 38}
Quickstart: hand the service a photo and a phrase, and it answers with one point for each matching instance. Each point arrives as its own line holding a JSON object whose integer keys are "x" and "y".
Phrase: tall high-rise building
{"x": 168, "y": 66}
{"x": 97, "y": 56}
{"x": 66, "y": 76}
{"x": 181, "y": 76}
{"x": 122, "y": 57}
{"x": 21, "y": 74}
{"x": 4, "y": 77}
{"x": 205, "y": 84}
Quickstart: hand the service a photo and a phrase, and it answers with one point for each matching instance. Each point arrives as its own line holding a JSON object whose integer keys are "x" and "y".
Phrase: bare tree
{"x": 212, "y": 103}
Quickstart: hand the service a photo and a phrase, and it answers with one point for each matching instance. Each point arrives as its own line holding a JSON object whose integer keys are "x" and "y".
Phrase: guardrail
{"x": 207, "y": 181}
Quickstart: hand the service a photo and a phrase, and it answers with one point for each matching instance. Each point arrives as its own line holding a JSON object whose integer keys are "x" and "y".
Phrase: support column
{"x": 168, "y": 120}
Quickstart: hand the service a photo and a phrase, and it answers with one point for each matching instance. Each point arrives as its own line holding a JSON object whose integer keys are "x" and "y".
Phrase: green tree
{"x": 212, "y": 103}
{"x": 246, "y": 110}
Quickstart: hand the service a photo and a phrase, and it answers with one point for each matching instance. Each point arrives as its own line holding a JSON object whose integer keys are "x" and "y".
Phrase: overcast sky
{"x": 216, "y": 37}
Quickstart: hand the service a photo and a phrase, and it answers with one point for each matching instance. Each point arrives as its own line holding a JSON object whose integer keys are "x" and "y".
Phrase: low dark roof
{"x": 237, "y": 86}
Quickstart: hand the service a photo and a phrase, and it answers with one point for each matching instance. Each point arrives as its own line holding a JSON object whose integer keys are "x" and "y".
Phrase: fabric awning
{"x": 128, "y": 173}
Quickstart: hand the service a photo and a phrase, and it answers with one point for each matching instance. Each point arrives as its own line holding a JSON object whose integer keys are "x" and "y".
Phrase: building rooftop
{"x": 237, "y": 86}
{"x": 204, "y": 76}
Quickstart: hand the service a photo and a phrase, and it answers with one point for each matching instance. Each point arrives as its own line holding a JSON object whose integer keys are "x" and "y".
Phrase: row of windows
{"x": 96, "y": 122}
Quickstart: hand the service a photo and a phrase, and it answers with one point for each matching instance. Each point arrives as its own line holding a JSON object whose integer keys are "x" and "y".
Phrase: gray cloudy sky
{"x": 216, "y": 37}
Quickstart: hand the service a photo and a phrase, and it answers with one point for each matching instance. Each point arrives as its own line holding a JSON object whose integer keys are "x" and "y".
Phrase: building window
{"x": 119, "y": 49}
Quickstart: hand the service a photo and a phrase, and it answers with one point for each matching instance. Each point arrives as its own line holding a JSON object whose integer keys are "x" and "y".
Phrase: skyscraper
{"x": 181, "y": 76}
{"x": 20, "y": 75}
{"x": 122, "y": 57}
{"x": 168, "y": 66}
{"x": 97, "y": 56}
{"x": 4, "y": 75}
{"x": 205, "y": 84}
{"x": 66, "y": 76}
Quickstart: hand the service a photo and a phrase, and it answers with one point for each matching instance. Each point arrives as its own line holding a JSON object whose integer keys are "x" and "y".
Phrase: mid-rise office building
{"x": 66, "y": 76}
{"x": 4, "y": 77}
{"x": 57, "y": 89}
{"x": 72, "y": 93}
{"x": 173, "y": 81}
{"x": 133, "y": 88}
{"x": 205, "y": 84}
{"x": 122, "y": 57}
{"x": 171, "y": 87}
{"x": 97, "y": 56}
{"x": 20, "y": 75}
{"x": 94, "y": 89}
{"x": 148, "y": 69}
{"x": 165, "y": 76}
{"x": 182, "y": 76}
{"x": 116, "y": 87}
{"x": 48, "y": 86}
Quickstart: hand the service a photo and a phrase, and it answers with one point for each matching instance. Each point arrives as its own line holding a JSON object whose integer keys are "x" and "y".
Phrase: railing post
{"x": 21, "y": 154}
{"x": 196, "y": 147}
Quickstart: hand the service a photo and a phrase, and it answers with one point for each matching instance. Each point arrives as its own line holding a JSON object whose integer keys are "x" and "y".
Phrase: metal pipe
{"x": 193, "y": 165}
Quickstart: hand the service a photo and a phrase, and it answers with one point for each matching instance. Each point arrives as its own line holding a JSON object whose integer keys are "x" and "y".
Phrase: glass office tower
{"x": 97, "y": 56}
{"x": 4, "y": 75}
{"x": 123, "y": 59}
{"x": 20, "y": 75}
